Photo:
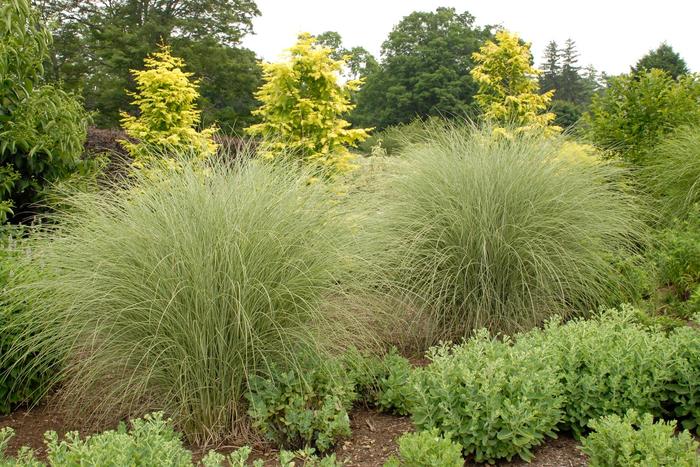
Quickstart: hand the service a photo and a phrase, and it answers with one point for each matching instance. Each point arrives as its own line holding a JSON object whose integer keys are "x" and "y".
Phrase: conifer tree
{"x": 508, "y": 86}
{"x": 302, "y": 104}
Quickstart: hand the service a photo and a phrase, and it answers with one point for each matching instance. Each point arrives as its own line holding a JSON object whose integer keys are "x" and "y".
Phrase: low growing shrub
{"x": 427, "y": 448}
{"x": 684, "y": 392}
{"x": 478, "y": 231}
{"x": 302, "y": 409}
{"x": 636, "y": 440}
{"x": 496, "y": 400}
{"x": 678, "y": 256}
{"x": 170, "y": 294}
{"x": 606, "y": 365}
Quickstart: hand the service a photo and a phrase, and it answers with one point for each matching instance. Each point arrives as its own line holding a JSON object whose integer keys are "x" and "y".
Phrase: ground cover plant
{"x": 427, "y": 448}
{"x": 172, "y": 293}
{"x": 476, "y": 231}
{"x": 637, "y": 440}
{"x": 496, "y": 400}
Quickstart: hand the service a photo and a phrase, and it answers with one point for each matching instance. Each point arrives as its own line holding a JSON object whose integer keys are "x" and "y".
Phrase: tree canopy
{"x": 424, "y": 70}
{"x": 663, "y": 58}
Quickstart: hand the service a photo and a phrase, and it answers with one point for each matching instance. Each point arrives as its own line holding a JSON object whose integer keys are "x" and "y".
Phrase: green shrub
{"x": 607, "y": 365}
{"x": 427, "y": 448}
{"x": 151, "y": 441}
{"x": 43, "y": 128}
{"x": 478, "y": 231}
{"x": 302, "y": 409}
{"x": 382, "y": 382}
{"x": 674, "y": 173}
{"x": 677, "y": 259}
{"x": 496, "y": 400}
{"x": 170, "y": 294}
{"x": 393, "y": 140}
{"x": 636, "y": 440}
{"x": 684, "y": 391}
{"x": 21, "y": 379}
{"x": 308, "y": 457}
{"x": 637, "y": 110}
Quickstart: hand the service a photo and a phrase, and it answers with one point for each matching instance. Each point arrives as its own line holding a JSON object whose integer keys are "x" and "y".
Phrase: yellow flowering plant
{"x": 168, "y": 117}
{"x": 302, "y": 101}
{"x": 508, "y": 88}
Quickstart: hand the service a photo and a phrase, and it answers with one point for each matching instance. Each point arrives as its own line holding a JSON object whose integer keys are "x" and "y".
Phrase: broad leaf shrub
{"x": 635, "y": 440}
{"x": 427, "y": 448}
{"x": 302, "y": 409}
{"x": 170, "y": 294}
{"x": 476, "y": 231}
{"x": 496, "y": 400}
{"x": 674, "y": 173}
{"x": 606, "y": 365}
{"x": 150, "y": 441}
{"x": 636, "y": 111}
{"x": 684, "y": 390}
{"x": 42, "y": 128}
{"x": 382, "y": 382}
{"x": 22, "y": 380}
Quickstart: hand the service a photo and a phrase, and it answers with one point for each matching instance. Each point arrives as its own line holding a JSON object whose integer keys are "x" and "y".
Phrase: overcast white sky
{"x": 610, "y": 34}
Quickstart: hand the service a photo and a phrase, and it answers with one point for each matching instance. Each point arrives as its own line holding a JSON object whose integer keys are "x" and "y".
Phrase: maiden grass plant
{"x": 481, "y": 231}
{"x": 170, "y": 294}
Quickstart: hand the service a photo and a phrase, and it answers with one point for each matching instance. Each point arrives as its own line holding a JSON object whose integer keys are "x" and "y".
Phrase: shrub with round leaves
{"x": 635, "y": 440}
{"x": 496, "y": 400}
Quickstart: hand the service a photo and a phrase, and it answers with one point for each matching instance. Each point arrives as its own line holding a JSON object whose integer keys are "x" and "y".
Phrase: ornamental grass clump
{"x": 481, "y": 231}
{"x": 170, "y": 294}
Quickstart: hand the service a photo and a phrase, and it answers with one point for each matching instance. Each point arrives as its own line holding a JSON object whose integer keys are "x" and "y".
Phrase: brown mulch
{"x": 373, "y": 439}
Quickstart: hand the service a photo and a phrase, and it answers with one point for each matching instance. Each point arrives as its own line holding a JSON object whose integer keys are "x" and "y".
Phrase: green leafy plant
{"x": 684, "y": 391}
{"x": 304, "y": 409}
{"x": 42, "y": 128}
{"x": 606, "y": 365}
{"x": 427, "y": 448}
{"x": 636, "y": 440}
{"x": 678, "y": 256}
{"x": 151, "y": 441}
{"x": 496, "y": 400}
{"x": 171, "y": 294}
{"x": 308, "y": 457}
{"x": 477, "y": 231}
{"x": 636, "y": 111}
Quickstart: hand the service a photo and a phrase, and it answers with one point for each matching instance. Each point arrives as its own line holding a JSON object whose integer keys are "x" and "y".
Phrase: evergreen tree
{"x": 551, "y": 68}
{"x": 570, "y": 82}
{"x": 662, "y": 58}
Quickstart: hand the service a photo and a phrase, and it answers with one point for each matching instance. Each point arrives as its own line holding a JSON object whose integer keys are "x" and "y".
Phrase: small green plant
{"x": 496, "y": 400}
{"x": 635, "y": 440}
{"x": 308, "y": 457}
{"x": 678, "y": 256}
{"x": 606, "y": 365}
{"x": 684, "y": 392}
{"x": 305, "y": 409}
{"x": 427, "y": 448}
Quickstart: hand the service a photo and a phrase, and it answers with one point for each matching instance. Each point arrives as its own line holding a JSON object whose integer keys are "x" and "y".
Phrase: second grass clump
{"x": 481, "y": 231}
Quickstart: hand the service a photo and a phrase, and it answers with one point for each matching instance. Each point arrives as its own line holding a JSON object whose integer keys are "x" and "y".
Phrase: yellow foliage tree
{"x": 508, "y": 88}
{"x": 166, "y": 97}
{"x": 302, "y": 101}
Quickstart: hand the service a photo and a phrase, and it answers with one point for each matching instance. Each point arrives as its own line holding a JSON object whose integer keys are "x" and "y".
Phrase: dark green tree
{"x": 425, "y": 68}
{"x": 358, "y": 60}
{"x": 570, "y": 81}
{"x": 662, "y": 58}
{"x": 551, "y": 68}
{"x": 97, "y": 42}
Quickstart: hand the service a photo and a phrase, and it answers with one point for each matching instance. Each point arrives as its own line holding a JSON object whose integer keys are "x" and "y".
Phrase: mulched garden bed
{"x": 373, "y": 439}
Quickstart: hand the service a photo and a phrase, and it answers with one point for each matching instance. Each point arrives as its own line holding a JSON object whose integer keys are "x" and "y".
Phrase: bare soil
{"x": 373, "y": 439}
